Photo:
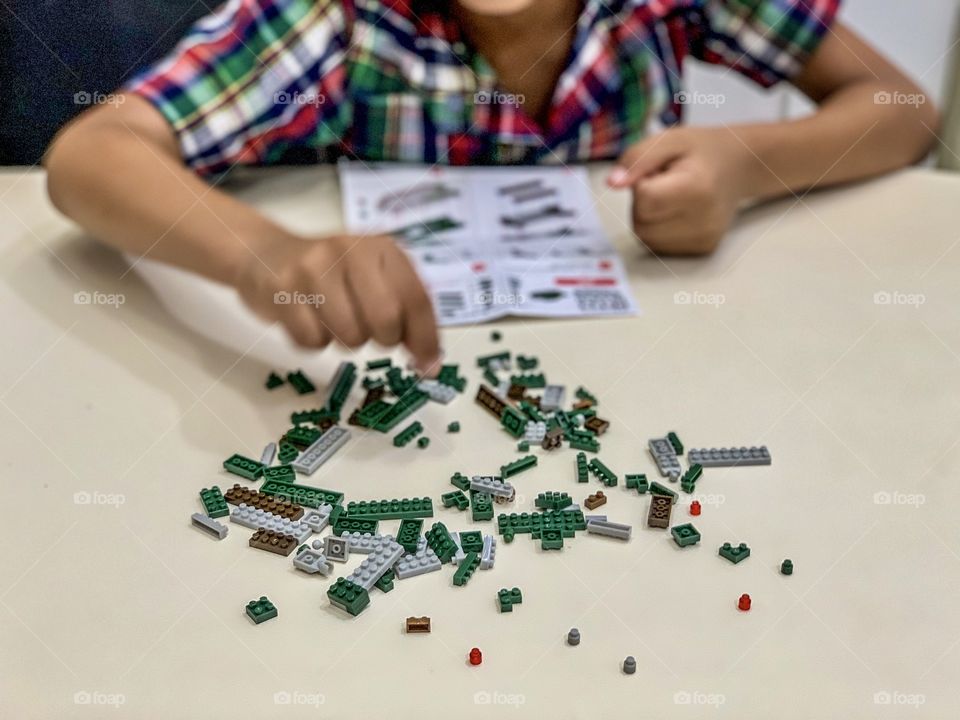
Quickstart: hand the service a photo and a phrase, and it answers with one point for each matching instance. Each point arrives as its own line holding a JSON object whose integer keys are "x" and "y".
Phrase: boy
{"x": 424, "y": 80}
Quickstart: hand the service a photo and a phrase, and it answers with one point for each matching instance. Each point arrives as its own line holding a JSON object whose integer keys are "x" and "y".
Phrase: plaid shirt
{"x": 262, "y": 81}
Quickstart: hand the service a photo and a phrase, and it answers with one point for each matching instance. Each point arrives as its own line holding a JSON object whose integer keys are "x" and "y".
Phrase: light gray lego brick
{"x": 317, "y": 518}
{"x": 268, "y": 454}
{"x": 374, "y": 565}
{"x": 209, "y": 525}
{"x": 488, "y": 555}
{"x": 610, "y": 529}
{"x": 553, "y": 398}
{"x": 535, "y": 432}
{"x": 364, "y": 543}
{"x": 665, "y": 457}
{"x": 336, "y": 548}
{"x": 312, "y": 562}
{"x": 499, "y": 365}
{"x": 424, "y": 560}
{"x": 601, "y": 518}
{"x": 729, "y": 457}
{"x": 502, "y": 391}
{"x": 255, "y": 518}
{"x": 437, "y": 391}
{"x": 321, "y": 451}
{"x": 492, "y": 486}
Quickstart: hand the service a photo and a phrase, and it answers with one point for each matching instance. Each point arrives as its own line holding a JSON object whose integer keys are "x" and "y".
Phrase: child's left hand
{"x": 687, "y": 186}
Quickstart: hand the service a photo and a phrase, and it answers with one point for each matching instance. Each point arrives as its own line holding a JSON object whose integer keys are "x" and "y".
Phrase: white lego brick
{"x": 609, "y": 529}
{"x": 321, "y": 450}
{"x": 459, "y": 555}
{"x": 424, "y": 560}
{"x": 488, "y": 555}
{"x": 209, "y": 525}
{"x": 255, "y": 519}
{"x": 268, "y": 454}
{"x": 535, "y": 432}
{"x": 437, "y": 391}
{"x": 492, "y": 486}
{"x": 312, "y": 562}
{"x": 317, "y": 519}
{"x": 383, "y": 556}
{"x": 553, "y": 398}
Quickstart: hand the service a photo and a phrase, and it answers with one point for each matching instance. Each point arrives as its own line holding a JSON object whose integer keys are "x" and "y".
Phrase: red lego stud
{"x": 744, "y": 603}
{"x": 695, "y": 507}
{"x": 476, "y": 658}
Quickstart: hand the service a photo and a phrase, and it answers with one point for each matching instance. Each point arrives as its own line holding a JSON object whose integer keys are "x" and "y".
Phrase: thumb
{"x": 645, "y": 158}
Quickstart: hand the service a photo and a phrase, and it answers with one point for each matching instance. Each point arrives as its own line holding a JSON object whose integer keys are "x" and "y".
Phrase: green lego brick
{"x": 368, "y": 415}
{"x": 786, "y": 567}
{"x": 448, "y": 376}
{"x": 527, "y": 363}
{"x": 400, "y": 383}
{"x": 496, "y": 336}
{"x": 273, "y": 381}
{"x": 485, "y": 360}
{"x": 551, "y": 540}
{"x": 379, "y": 364}
{"x": 529, "y": 380}
{"x": 348, "y": 596}
{"x": 302, "y": 494}
{"x": 517, "y": 466}
{"x": 338, "y": 510}
{"x": 481, "y": 506}
{"x": 315, "y": 416}
{"x": 261, "y": 610}
{"x": 213, "y": 503}
{"x": 243, "y": 466}
{"x": 553, "y": 500}
{"x": 532, "y": 412}
{"x": 409, "y": 534}
{"x": 689, "y": 480}
{"x": 658, "y": 489}
{"x": 405, "y": 406}
{"x": 583, "y": 394}
{"x": 345, "y": 378}
{"x": 301, "y": 436}
{"x": 423, "y": 443}
{"x": 734, "y": 554}
{"x": 513, "y": 421}
{"x": 567, "y": 521}
{"x": 453, "y": 427}
{"x": 675, "y": 442}
{"x": 370, "y": 383}
{"x": 471, "y": 541}
{"x": 347, "y": 524}
{"x": 684, "y": 535}
{"x": 455, "y": 497}
{"x": 506, "y": 599}
{"x": 300, "y": 382}
{"x": 465, "y": 570}
{"x": 407, "y": 434}
{"x": 439, "y": 540}
{"x": 460, "y": 480}
{"x": 287, "y": 452}
{"x": 603, "y": 473}
{"x": 523, "y": 446}
{"x": 491, "y": 377}
{"x": 403, "y": 509}
{"x": 385, "y": 583}
{"x": 637, "y": 482}
{"x": 584, "y": 443}
{"x": 582, "y": 472}
{"x": 280, "y": 473}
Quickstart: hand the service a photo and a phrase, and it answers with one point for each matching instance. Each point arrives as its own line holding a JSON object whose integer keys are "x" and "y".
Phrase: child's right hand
{"x": 346, "y": 289}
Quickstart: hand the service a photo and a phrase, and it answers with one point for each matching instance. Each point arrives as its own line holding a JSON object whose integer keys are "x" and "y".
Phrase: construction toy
{"x": 684, "y": 535}
{"x": 209, "y": 525}
{"x": 506, "y": 599}
{"x": 261, "y": 610}
{"x": 734, "y": 554}
{"x": 475, "y": 656}
{"x": 273, "y": 381}
{"x": 786, "y": 567}
{"x": 596, "y": 500}
{"x": 418, "y": 625}
{"x": 744, "y": 602}
{"x": 730, "y": 457}
{"x": 695, "y": 508}
{"x": 573, "y": 637}
{"x": 629, "y": 665}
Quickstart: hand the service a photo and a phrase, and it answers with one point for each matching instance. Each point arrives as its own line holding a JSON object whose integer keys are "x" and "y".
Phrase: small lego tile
{"x": 596, "y": 500}
{"x": 321, "y": 450}
{"x": 418, "y": 625}
{"x": 300, "y": 382}
{"x": 492, "y": 486}
{"x": 466, "y": 569}
{"x": 481, "y": 506}
{"x": 261, "y": 610}
{"x": 527, "y": 363}
{"x": 506, "y": 599}
{"x": 239, "y": 495}
{"x": 273, "y": 542}
{"x": 596, "y": 425}
{"x": 317, "y": 518}
{"x": 213, "y": 503}
{"x": 348, "y": 596}
{"x": 273, "y": 381}
{"x": 312, "y": 562}
{"x": 243, "y": 466}
{"x": 685, "y": 534}
{"x": 675, "y": 443}
{"x": 280, "y": 473}
{"x": 730, "y": 457}
{"x": 665, "y": 457}
{"x": 300, "y": 494}
{"x": 659, "y": 514}
{"x": 609, "y": 529}
{"x": 484, "y": 360}
{"x": 734, "y": 554}
{"x": 209, "y": 525}
{"x": 336, "y": 549}
{"x": 424, "y": 560}
{"x": 410, "y": 529}
{"x": 391, "y": 509}
{"x": 455, "y": 498}
{"x": 518, "y": 466}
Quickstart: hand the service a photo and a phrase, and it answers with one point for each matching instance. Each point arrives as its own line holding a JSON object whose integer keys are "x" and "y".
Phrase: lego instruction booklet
{"x": 493, "y": 242}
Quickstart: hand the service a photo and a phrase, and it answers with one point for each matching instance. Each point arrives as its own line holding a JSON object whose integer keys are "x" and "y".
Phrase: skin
{"x": 106, "y": 169}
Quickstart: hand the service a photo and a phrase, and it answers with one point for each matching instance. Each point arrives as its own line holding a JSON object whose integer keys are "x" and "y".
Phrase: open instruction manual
{"x": 492, "y": 242}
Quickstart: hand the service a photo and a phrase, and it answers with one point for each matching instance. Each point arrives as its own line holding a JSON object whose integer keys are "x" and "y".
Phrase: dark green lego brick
{"x": 400, "y": 383}
{"x": 301, "y": 436}
{"x": 491, "y": 377}
{"x": 213, "y": 503}
{"x": 675, "y": 443}
{"x": 423, "y": 443}
{"x": 304, "y": 495}
{"x": 584, "y": 443}
{"x": 658, "y": 489}
{"x": 346, "y": 377}
{"x": 385, "y": 583}
{"x": 273, "y": 381}
{"x": 466, "y": 568}
{"x": 471, "y": 541}
{"x": 523, "y": 446}
{"x": 338, "y": 510}
{"x": 786, "y": 567}
{"x": 495, "y": 336}
{"x": 455, "y": 498}
{"x": 527, "y": 363}
{"x": 637, "y": 482}
{"x": 448, "y": 376}
{"x": 518, "y": 466}
{"x": 531, "y": 411}
{"x": 405, "y": 406}
{"x": 405, "y": 508}
{"x": 407, "y": 434}
{"x": 460, "y": 480}
{"x": 261, "y": 610}
{"x": 553, "y": 500}
{"x": 693, "y": 473}
{"x": 583, "y": 394}
{"x": 370, "y": 383}
{"x": 280, "y": 473}
{"x": 481, "y": 506}
{"x": 409, "y": 534}
{"x": 529, "y": 380}
{"x": 734, "y": 554}
{"x": 287, "y": 452}
{"x": 348, "y": 596}
{"x": 582, "y": 472}
{"x": 684, "y": 535}
{"x": 368, "y": 415}
{"x": 535, "y": 523}
{"x": 688, "y": 486}
{"x": 603, "y": 473}
{"x": 315, "y": 416}
{"x": 513, "y": 421}
{"x": 453, "y": 427}
{"x": 300, "y": 382}
{"x": 347, "y": 524}
{"x": 485, "y": 360}
{"x": 551, "y": 540}
{"x": 379, "y": 364}
{"x": 439, "y": 540}
{"x": 243, "y": 466}
{"x": 506, "y": 599}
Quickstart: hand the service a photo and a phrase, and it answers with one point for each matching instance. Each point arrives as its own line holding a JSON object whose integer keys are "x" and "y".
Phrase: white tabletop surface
{"x": 113, "y": 417}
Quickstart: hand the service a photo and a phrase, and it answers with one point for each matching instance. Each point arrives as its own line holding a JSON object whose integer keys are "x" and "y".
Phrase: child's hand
{"x": 687, "y": 185}
{"x": 344, "y": 289}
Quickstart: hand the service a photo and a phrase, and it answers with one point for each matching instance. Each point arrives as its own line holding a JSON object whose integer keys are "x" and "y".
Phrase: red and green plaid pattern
{"x": 263, "y": 81}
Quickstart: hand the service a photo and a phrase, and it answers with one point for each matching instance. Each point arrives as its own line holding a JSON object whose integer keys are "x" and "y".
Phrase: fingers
{"x": 372, "y": 293}
{"x": 303, "y": 325}
{"x": 661, "y": 197}
{"x": 679, "y": 236}
{"x": 419, "y": 323}
{"x": 646, "y": 158}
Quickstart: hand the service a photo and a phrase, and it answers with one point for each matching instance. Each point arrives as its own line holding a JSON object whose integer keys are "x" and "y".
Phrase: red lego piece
{"x": 695, "y": 507}
{"x": 475, "y": 657}
{"x": 744, "y": 603}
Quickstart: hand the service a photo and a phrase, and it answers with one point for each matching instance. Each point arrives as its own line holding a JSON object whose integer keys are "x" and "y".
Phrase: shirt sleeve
{"x": 252, "y": 80}
{"x": 765, "y": 40}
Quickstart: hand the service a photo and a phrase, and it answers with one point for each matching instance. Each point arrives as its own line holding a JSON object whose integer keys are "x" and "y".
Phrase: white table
{"x": 119, "y": 600}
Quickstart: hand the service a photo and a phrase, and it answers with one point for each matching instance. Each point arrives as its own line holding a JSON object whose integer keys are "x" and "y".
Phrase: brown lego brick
{"x": 553, "y": 439}
{"x": 660, "y": 508}
{"x": 596, "y": 500}
{"x": 596, "y": 425}
{"x": 418, "y": 624}
{"x": 261, "y": 501}
{"x": 491, "y": 402}
{"x": 516, "y": 392}
{"x": 582, "y": 404}
{"x": 274, "y": 542}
